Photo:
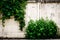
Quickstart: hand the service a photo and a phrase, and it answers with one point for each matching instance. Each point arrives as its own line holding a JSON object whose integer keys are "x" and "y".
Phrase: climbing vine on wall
{"x": 14, "y": 8}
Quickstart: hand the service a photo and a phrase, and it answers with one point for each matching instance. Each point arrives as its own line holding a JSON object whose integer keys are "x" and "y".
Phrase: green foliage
{"x": 14, "y": 8}
{"x": 41, "y": 29}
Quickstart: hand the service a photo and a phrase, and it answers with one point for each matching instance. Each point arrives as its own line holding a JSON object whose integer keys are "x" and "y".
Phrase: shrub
{"x": 41, "y": 29}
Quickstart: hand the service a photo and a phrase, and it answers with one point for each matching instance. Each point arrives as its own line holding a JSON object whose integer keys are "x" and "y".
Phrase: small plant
{"x": 41, "y": 29}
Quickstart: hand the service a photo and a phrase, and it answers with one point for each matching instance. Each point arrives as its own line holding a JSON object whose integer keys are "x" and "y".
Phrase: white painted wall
{"x": 33, "y": 11}
{"x": 51, "y": 10}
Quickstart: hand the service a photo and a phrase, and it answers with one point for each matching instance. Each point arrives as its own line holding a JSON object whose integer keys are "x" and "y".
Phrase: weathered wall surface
{"x": 52, "y": 11}
{"x": 33, "y": 11}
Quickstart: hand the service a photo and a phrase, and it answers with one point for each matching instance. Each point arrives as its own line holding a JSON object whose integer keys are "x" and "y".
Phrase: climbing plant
{"x": 14, "y": 8}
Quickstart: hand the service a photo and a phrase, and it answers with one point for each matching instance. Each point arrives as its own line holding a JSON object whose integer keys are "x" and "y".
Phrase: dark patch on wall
{"x": 45, "y": 1}
{"x": 51, "y": 1}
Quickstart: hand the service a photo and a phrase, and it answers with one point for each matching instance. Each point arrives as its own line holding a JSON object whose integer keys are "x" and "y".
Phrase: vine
{"x": 14, "y": 8}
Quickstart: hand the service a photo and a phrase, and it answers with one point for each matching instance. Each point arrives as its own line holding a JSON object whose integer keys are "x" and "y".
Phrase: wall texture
{"x": 33, "y": 11}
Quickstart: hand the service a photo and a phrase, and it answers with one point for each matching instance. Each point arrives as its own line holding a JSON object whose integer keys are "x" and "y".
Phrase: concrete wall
{"x": 33, "y": 11}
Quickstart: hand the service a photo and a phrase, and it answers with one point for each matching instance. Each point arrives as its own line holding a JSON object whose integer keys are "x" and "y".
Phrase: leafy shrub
{"x": 14, "y": 8}
{"x": 41, "y": 29}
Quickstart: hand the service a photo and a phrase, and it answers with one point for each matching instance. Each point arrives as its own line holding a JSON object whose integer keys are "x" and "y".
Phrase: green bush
{"x": 14, "y": 8}
{"x": 41, "y": 29}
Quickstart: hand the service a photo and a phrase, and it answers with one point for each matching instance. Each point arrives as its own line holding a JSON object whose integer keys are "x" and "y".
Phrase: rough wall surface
{"x": 33, "y": 11}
